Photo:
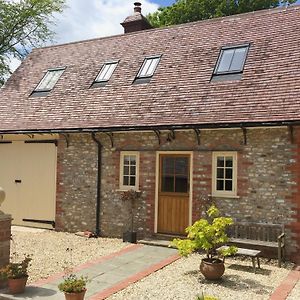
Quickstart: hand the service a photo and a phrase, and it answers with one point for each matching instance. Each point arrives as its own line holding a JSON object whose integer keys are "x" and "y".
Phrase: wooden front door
{"x": 173, "y": 193}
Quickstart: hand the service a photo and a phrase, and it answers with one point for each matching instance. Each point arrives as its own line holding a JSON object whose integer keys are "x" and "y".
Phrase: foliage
{"x": 131, "y": 196}
{"x": 24, "y": 24}
{"x": 17, "y": 270}
{"x": 3, "y": 275}
{"x": 73, "y": 284}
{"x": 184, "y": 11}
{"x": 207, "y": 234}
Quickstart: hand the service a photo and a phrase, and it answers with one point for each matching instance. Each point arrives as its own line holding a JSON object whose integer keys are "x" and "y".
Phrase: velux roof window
{"x": 105, "y": 74}
{"x": 48, "y": 81}
{"x": 231, "y": 61}
{"x": 147, "y": 69}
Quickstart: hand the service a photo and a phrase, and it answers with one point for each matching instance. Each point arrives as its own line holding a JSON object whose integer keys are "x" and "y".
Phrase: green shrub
{"x": 73, "y": 284}
{"x": 17, "y": 269}
{"x": 207, "y": 234}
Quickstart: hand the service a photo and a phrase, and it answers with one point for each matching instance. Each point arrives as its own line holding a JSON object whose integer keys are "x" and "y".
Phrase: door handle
{"x": 18, "y": 180}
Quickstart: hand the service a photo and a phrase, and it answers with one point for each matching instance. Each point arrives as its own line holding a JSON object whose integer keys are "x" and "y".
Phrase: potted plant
{"x": 208, "y": 234}
{"x": 130, "y": 197}
{"x": 74, "y": 287}
{"x": 17, "y": 275}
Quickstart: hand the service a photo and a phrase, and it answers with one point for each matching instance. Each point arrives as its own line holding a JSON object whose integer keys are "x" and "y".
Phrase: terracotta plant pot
{"x": 212, "y": 270}
{"x": 75, "y": 296}
{"x": 16, "y": 286}
{"x": 3, "y": 283}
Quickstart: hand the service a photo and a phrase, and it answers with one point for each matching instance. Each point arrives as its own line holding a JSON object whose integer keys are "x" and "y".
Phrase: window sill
{"x": 225, "y": 196}
{"x": 126, "y": 190}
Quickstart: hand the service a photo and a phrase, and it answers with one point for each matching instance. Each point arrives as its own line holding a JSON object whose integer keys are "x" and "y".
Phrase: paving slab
{"x": 107, "y": 274}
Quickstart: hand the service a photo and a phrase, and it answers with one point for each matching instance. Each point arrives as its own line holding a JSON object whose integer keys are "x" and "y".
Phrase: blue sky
{"x": 164, "y": 2}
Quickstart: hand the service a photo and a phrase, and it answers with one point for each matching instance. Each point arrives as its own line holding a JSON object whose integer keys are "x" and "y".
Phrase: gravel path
{"x": 182, "y": 280}
{"x": 49, "y": 250}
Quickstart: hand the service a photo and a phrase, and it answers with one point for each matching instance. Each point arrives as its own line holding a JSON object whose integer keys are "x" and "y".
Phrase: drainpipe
{"x": 99, "y": 146}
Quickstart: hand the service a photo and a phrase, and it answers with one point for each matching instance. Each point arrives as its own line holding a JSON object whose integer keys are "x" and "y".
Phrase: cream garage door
{"x": 28, "y": 176}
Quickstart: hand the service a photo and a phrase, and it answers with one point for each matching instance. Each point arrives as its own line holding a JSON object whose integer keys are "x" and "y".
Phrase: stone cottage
{"x": 205, "y": 110}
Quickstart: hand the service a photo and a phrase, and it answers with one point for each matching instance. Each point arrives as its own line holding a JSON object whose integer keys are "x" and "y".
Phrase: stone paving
{"x": 108, "y": 274}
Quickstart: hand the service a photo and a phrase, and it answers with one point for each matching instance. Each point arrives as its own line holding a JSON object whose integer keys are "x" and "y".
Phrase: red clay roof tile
{"x": 180, "y": 91}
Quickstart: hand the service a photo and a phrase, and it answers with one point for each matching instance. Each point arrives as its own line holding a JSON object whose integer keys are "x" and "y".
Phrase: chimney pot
{"x": 137, "y": 7}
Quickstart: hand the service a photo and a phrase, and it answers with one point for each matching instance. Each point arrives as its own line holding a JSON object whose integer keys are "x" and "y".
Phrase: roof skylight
{"x": 231, "y": 60}
{"x": 148, "y": 67}
{"x": 49, "y": 80}
{"x": 106, "y": 72}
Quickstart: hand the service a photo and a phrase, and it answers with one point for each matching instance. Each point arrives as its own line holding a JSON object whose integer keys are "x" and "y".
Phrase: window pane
{"x": 149, "y": 67}
{"x": 152, "y": 67}
{"x": 228, "y": 185}
{"x": 181, "y": 165}
{"x": 49, "y": 80}
{"x": 220, "y": 161}
{"x": 126, "y": 160}
{"x": 132, "y": 170}
{"x": 168, "y": 165}
{"x": 145, "y": 68}
{"x": 126, "y": 170}
{"x": 125, "y": 180}
{"x": 132, "y": 181}
{"x": 220, "y": 185}
{"x": 181, "y": 184}
{"x": 225, "y": 60}
{"x": 106, "y": 72}
{"x": 220, "y": 173}
{"x": 228, "y": 174}
{"x": 229, "y": 162}
{"x": 133, "y": 160}
{"x": 238, "y": 59}
{"x": 167, "y": 184}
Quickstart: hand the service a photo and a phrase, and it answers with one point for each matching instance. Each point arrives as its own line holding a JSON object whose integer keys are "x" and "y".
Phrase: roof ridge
{"x": 219, "y": 19}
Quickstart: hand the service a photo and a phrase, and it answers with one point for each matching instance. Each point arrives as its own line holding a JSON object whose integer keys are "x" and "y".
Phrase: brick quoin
{"x": 294, "y": 226}
{"x": 5, "y": 233}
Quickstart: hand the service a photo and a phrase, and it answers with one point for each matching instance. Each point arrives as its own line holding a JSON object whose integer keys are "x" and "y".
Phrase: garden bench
{"x": 254, "y": 254}
{"x": 258, "y": 236}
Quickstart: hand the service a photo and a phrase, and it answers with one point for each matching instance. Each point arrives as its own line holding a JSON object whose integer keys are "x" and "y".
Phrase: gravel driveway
{"x": 182, "y": 281}
{"x": 49, "y": 250}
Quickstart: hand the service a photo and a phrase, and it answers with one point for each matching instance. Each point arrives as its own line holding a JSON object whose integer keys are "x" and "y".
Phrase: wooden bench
{"x": 254, "y": 254}
{"x": 258, "y": 236}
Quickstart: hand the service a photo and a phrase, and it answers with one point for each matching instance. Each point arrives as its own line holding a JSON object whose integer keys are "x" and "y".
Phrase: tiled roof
{"x": 180, "y": 91}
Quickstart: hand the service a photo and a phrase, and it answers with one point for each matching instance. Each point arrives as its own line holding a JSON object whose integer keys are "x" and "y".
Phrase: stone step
{"x": 155, "y": 242}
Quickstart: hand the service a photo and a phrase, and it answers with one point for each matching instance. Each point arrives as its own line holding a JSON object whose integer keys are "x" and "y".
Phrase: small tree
{"x": 207, "y": 234}
{"x": 24, "y": 24}
{"x": 184, "y": 11}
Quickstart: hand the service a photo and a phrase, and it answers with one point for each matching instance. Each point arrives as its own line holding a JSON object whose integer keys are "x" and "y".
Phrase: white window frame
{"x": 215, "y": 192}
{"x": 137, "y": 171}
{"x": 151, "y": 60}
{"x": 112, "y": 65}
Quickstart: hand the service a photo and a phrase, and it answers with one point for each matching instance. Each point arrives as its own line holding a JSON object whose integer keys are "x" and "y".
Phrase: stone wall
{"x": 268, "y": 178}
{"x": 5, "y": 233}
{"x": 76, "y": 183}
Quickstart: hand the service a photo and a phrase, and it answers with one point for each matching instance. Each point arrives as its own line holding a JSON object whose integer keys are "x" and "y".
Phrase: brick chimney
{"x": 137, "y": 21}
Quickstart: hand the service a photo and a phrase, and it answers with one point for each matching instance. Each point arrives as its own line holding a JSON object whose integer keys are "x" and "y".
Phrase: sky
{"x": 85, "y": 19}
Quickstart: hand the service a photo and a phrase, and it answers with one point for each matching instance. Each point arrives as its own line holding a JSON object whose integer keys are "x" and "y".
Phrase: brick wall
{"x": 268, "y": 179}
{"x": 293, "y": 200}
{"x": 5, "y": 232}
